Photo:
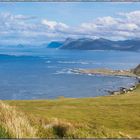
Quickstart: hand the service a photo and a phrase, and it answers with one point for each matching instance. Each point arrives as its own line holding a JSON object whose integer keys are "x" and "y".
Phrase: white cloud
{"x": 124, "y": 27}
{"x": 128, "y": 27}
{"x": 21, "y": 28}
{"x": 131, "y": 15}
{"x": 14, "y": 28}
{"x": 54, "y": 25}
{"x": 106, "y": 21}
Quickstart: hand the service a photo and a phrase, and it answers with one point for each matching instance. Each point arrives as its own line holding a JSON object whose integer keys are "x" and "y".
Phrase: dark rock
{"x": 137, "y": 71}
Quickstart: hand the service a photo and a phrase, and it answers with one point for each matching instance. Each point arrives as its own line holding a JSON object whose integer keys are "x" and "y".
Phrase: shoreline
{"x": 103, "y": 72}
{"x": 109, "y": 72}
{"x": 106, "y": 72}
{"x": 90, "y": 115}
{"x": 124, "y": 90}
{"x": 104, "y": 117}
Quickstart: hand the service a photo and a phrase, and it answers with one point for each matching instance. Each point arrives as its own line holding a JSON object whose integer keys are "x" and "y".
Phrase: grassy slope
{"x": 119, "y": 114}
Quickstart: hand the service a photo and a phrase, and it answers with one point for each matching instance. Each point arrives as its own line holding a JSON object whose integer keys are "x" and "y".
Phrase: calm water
{"x": 45, "y": 73}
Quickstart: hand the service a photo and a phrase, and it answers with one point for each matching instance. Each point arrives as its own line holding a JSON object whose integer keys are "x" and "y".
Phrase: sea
{"x": 43, "y": 73}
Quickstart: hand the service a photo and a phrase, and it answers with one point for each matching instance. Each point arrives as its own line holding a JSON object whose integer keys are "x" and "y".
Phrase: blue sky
{"x": 71, "y": 13}
{"x": 58, "y": 20}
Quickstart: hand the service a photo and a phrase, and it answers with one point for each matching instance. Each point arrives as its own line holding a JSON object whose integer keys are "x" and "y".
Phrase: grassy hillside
{"x": 109, "y": 116}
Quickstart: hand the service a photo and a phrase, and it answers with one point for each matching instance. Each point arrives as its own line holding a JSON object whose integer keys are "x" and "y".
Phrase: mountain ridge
{"x": 101, "y": 44}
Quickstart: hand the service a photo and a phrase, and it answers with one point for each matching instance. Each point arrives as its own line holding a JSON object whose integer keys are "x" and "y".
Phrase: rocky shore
{"x": 123, "y": 90}
{"x": 108, "y": 72}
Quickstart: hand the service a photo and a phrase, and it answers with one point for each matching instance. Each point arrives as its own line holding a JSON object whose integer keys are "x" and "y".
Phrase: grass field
{"x": 100, "y": 117}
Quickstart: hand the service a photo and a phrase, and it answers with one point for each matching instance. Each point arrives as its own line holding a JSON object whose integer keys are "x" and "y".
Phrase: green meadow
{"x": 99, "y": 117}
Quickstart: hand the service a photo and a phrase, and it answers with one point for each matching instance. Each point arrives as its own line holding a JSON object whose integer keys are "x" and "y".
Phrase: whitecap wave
{"x": 64, "y": 71}
{"x": 73, "y": 62}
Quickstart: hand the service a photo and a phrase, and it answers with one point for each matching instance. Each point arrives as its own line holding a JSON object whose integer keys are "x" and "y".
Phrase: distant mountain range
{"x": 20, "y": 46}
{"x": 86, "y": 44}
{"x": 97, "y": 44}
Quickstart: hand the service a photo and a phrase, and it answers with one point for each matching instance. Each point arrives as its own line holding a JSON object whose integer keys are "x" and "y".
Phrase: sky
{"x": 39, "y": 23}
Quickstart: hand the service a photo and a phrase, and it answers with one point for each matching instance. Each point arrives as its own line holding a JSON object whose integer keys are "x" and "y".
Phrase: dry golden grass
{"x": 15, "y": 122}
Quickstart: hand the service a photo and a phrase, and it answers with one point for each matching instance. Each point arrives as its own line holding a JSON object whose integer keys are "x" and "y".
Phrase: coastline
{"x": 95, "y": 117}
{"x": 109, "y": 72}
{"x": 90, "y": 116}
{"x": 124, "y": 90}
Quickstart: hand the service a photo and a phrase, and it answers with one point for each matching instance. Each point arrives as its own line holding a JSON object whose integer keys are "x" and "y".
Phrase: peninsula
{"x": 108, "y": 72}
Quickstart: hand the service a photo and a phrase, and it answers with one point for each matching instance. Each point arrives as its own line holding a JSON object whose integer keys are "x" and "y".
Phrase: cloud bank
{"x": 15, "y": 29}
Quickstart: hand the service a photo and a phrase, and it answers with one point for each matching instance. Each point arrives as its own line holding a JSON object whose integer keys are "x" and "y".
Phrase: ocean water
{"x": 46, "y": 73}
